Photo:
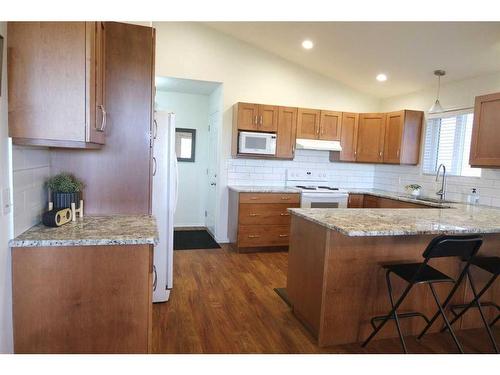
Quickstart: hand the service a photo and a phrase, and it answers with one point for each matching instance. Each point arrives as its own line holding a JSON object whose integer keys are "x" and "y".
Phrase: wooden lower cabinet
{"x": 259, "y": 221}
{"x": 371, "y": 201}
{"x": 82, "y": 299}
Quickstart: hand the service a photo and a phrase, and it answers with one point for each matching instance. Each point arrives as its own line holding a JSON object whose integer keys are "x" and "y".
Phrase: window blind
{"x": 447, "y": 141}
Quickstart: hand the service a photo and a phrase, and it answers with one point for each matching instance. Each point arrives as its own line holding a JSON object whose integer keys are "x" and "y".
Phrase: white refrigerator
{"x": 164, "y": 201}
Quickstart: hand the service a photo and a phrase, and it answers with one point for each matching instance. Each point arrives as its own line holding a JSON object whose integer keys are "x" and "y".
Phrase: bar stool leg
{"x": 495, "y": 320}
{"x": 447, "y": 300}
{"x": 478, "y": 305}
{"x": 391, "y": 313}
{"x": 445, "y": 318}
{"x": 395, "y": 314}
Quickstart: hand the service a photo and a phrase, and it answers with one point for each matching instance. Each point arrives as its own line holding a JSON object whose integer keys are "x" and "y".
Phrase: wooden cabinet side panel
{"x": 118, "y": 178}
{"x": 485, "y": 135}
{"x": 47, "y": 80}
{"x": 412, "y": 136}
{"x": 286, "y": 135}
{"x": 88, "y": 299}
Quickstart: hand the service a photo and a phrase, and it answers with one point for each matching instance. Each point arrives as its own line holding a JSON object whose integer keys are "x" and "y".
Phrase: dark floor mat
{"x": 193, "y": 239}
{"x": 283, "y": 294}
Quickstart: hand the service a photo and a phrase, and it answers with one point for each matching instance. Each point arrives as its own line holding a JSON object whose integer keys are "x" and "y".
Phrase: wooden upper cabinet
{"x": 248, "y": 116}
{"x": 257, "y": 117}
{"x": 268, "y": 118}
{"x": 330, "y": 125}
{"x": 485, "y": 149}
{"x": 371, "y": 133}
{"x": 56, "y": 76}
{"x": 286, "y": 135}
{"x": 349, "y": 136}
{"x": 402, "y": 137}
{"x": 308, "y": 123}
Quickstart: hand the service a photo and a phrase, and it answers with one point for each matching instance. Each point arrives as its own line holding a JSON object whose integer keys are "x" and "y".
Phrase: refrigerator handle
{"x": 176, "y": 176}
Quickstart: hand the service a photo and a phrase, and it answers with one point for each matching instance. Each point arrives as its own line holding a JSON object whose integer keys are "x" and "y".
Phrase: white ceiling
{"x": 355, "y": 52}
{"x": 187, "y": 86}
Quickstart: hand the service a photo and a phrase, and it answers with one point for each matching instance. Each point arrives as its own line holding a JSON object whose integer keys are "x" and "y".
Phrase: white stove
{"x": 316, "y": 191}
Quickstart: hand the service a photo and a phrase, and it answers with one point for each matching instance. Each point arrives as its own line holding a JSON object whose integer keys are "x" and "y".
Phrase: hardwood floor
{"x": 223, "y": 302}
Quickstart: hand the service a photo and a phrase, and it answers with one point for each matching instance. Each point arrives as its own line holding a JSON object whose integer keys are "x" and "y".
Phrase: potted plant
{"x": 414, "y": 189}
{"x": 65, "y": 189}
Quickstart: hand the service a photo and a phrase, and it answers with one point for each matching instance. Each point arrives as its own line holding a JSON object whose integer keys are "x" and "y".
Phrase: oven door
{"x": 318, "y": 200}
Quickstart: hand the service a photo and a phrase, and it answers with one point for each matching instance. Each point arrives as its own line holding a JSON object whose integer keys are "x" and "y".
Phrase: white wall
{"x": 194, "y": 51}
{"x": 454, "y": 95}
{"x": 191, "y": 111}
{"x": 6, "y": 232}
{"x": 31, "y": 168}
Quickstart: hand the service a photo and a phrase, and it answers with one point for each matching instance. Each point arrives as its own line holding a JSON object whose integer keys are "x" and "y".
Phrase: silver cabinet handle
{"x": 104, "y": 118}
{"x": 254, "y": 198}
{"x": 285, "y": 198}
{"x": 253, "y": 236}
{"x": 155, "y": 129}
{"x": 283, "y": 235}
{"x": 253, "y": 215}
{"x": 284, "y": 214}
{"x": 154, "y": 166}
{"x": 261, "y": 120}
{"x": 255, "y": 120}
{"x": 155, "y": 278}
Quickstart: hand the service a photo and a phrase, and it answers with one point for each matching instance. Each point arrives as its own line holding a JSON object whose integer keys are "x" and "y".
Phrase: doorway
{"x": 198, "y": 111}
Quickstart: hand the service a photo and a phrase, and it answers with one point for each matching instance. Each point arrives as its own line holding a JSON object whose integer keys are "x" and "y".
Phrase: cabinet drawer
{"x": 265, "y": 213}
{"x": 270, "y": 198}
{"x": 263, "y": 235}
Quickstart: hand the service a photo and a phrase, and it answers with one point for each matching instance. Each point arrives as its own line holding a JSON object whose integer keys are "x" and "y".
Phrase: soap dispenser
{"x": 473, "y": 197}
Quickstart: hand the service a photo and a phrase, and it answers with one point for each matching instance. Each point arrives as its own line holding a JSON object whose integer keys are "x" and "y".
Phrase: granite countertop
{"x": 93, "y": 231}
{"x": 262, "y": 189}
{"x": 458, "y": 218}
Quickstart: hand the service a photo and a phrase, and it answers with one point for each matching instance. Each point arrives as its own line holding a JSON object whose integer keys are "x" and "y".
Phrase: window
{"x": 447, "y": 141}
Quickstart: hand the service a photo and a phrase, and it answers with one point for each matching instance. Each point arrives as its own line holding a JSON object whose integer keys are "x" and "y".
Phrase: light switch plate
{"x": 5, "y": 201}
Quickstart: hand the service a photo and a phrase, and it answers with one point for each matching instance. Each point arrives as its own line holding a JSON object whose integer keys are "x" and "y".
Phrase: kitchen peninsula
{"x": 335, "y": 280}
{"x": 84, "y": 287}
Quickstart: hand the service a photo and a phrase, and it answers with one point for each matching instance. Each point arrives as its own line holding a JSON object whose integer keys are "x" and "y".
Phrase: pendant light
{"x": 436, "y": 107}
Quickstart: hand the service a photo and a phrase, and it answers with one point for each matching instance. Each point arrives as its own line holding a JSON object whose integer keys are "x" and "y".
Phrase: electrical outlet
{"x": 5, "y": 201}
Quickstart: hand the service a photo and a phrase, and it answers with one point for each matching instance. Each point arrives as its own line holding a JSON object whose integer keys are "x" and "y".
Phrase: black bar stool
{"x": 464, "y": 247}
{"x": 492, "y": 266}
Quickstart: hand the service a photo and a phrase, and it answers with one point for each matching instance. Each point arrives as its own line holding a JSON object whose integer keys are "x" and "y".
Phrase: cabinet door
{"x": 268, "y": 118}
{"x": 330, "y": 125}
{"x": 355, "y": 201}
{"x": 371, "y": 132}
{"x": 47, "y": 81}
{"x": 485, "y": 150}
{"x": 308, "y": 123}
{"x": 96, "y": 123}
{"x": 393, "y": 134}
{"x": 287, "y": 127}
{"x": 248, "y": 116}
{"x": 370, "y": 201}
{"x": 349, "y": 136}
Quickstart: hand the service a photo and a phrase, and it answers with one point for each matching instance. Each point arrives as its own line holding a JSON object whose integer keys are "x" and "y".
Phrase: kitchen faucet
{"x": 442, "y": 191}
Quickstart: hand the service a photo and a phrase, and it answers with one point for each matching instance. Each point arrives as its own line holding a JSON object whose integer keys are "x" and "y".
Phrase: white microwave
{"x": 257, "y": 143}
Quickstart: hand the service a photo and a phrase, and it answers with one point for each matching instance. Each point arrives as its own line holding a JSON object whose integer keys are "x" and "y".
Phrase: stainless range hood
{"x": 314, "y": 144}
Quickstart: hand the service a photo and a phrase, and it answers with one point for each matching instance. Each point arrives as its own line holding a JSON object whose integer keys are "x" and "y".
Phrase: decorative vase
{"x": 64, "y": 200}
{"x": 415, "y": 192}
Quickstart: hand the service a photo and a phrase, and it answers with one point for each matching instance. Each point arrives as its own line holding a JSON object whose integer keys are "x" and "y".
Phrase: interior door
{"x": 212, "y": 169}
{"x": 371, "y": 132}
{"x": 308, "y": 123}
{"x": 330, "y": 125}
{"x": 393, "y": 135}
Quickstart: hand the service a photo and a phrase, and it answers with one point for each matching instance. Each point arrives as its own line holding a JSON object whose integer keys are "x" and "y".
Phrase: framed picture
{"x": 1, "y": 63}
{"x": 185, "y": 144}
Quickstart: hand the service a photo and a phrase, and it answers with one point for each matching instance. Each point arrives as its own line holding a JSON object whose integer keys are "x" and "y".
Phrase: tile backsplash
{"x": 31, "y": 167}
{"x": 273, "y": 172}
{"x": 396, "y": 177}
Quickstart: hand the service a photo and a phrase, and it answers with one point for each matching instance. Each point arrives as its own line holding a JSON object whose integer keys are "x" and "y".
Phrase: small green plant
{"x": 64, "y": 183}
{"x": 413, "y": 187}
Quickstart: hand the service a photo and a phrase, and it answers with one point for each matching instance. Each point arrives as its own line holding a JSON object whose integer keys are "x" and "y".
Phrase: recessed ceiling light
{"x": 307, "y": 44}
{"x": 381, "y": 77}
